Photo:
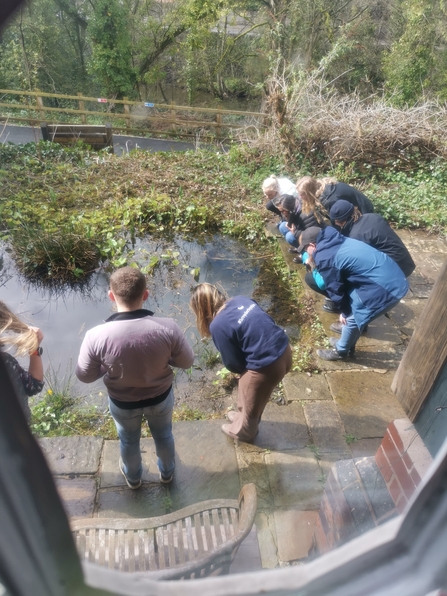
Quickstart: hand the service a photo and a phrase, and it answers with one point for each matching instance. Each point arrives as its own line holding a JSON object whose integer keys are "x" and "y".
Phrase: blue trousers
{"x": 288, "y": 234}
{"x": 128, "y": 425}
{"x": 350, "y": 332}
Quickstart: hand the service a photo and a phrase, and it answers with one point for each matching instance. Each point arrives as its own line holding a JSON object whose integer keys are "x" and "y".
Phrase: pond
{"x": 64, "y": 315}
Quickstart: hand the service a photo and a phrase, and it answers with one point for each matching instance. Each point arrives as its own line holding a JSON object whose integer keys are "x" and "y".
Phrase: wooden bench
{"x": 97, "y": 137}
{"x": 197, "y": 541}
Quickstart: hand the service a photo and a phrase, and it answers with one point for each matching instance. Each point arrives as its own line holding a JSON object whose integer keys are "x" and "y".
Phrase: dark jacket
{"x": 376, "y": 231}
{"x": 359, "y": 279}
{"x": 25, "y": 384}
{"x": 246, "y": 336}
{"x": 333, "y": 192}
{"x": 303, "y": 221}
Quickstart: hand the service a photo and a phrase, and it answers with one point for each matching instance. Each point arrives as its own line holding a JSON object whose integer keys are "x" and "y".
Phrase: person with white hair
{"x": 273, "y": 188}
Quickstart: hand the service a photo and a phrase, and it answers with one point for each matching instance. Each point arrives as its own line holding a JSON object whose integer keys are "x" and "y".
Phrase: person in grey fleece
{"x": 134, "y": 351}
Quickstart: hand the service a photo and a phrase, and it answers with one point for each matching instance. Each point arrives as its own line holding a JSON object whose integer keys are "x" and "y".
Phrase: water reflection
{"x": 64, "y": 314}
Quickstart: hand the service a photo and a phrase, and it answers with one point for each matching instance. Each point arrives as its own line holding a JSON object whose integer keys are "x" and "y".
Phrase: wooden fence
{"x": 34, "y": 107}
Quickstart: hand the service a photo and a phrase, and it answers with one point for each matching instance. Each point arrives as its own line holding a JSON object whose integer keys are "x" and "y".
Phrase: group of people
{"x": 133, "y": 351}
{"x": 352, "y": 255}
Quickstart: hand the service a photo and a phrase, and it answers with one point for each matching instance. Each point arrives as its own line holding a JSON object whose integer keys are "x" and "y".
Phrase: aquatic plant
{"x": 102, "y": 206}
{"x": 62, "y": 255}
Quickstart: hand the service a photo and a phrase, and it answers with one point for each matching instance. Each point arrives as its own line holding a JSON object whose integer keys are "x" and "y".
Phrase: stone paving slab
{"x": 375, "y": 487}
{"x": 326, "y": 428}
{"x": 365, "y": 447}
{"x": 356, "y": 499}
{"x": 295, "y": 479}
{"x": 381, "y": 334}
{"x": 419, "y": 242}
{"x": 78, "y": 495}
{"x": 72, "y": 455}
{"x": 282, "y": 428}
{"x": 365, "y": 402}
{"x": 294, "y": 531}
{"x": 110, "y": 475}
{"x": 327, "y": 460}
{"x": 248, "y": 557}
{"x": 366, "y": 358}
{"x": 148, "y": 501}
{"x": 406, "y": 314}
{"x": 265, "y": 524}
{"x": 206, "y": 465}
{"x": 420, "y": 290}
{"x": 252, "y": 468}
{"x": 301, "y": 386}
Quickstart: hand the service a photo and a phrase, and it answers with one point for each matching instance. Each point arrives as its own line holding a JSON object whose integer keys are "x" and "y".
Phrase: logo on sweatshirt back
{"x": 246, "y": 313}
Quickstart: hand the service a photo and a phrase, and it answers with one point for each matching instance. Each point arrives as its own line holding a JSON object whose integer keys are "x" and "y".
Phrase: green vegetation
{"x": 57, "y": 414}
{"x": 184, "y": 412}
{"x": 65, "y": 211}
{"x": 226, "y": 379}
{"x": 78, "y": 209}
{"x": 228, "y": 48}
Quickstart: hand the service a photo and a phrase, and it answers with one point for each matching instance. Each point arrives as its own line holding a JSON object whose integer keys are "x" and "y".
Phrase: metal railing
{"x": 126, "y": 116}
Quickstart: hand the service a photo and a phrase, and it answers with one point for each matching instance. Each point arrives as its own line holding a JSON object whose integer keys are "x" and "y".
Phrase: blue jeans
{"x": 288, "y": 234}
{"x": 350, "y": 332}
{"x": 349, "y": 335}
{"x": 128, "y": 425}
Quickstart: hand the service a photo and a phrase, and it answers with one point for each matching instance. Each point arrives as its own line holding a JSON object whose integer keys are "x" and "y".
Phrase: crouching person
{"x": 362, "y": 282}
{"x": 133, "y": 351}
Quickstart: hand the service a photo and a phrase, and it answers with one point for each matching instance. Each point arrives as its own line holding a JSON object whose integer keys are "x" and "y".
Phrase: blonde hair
{"x": 323, "y": 182}
{"x": 309, "y": 190}
{"x": 270, "y": 183}
{"x": 25, "y": 339}
{"x": 206, "y": 301}
{"x": 356, "y": 215}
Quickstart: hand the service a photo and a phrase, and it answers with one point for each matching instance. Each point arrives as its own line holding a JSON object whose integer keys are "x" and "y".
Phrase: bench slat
{"x": 198, "y": 533}
{"x": 160, "y": 547}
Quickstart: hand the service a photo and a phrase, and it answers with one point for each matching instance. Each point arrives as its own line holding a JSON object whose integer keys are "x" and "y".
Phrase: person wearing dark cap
{"x": 294, "y": 221}
{"x": 374, "y": 230}
{"x": 362, "y": 282}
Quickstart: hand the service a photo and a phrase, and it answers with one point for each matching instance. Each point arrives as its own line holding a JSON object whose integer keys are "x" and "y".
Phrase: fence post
{"x": 40, "y": 106}
{"x": 173, "y": 117}
{"x": 82, "y": 109}
{"x": 219, "y": 122}
{"x": 127, "y": 111}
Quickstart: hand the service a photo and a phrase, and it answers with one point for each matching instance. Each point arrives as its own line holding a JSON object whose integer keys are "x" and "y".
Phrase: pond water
{"x": 64, "y": 315}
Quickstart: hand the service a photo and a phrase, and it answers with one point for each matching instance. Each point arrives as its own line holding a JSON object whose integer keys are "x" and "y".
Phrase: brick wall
{"x": 402, "y": 459}
{"x": 362, "y": 493}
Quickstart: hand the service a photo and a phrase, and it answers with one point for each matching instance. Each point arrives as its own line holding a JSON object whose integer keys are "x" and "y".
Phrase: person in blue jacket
{"x": 251, "y": 345}
{"x": 363, "y": 283}
{"x": 373, "y": 229}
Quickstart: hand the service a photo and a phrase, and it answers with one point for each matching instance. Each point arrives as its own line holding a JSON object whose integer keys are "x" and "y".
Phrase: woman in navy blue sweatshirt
{"x": 251, "y": 345}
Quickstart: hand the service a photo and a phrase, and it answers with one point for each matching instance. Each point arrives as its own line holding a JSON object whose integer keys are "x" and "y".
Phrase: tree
{"x": 111, "y": 59}
{"x": 416, "y": 64}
